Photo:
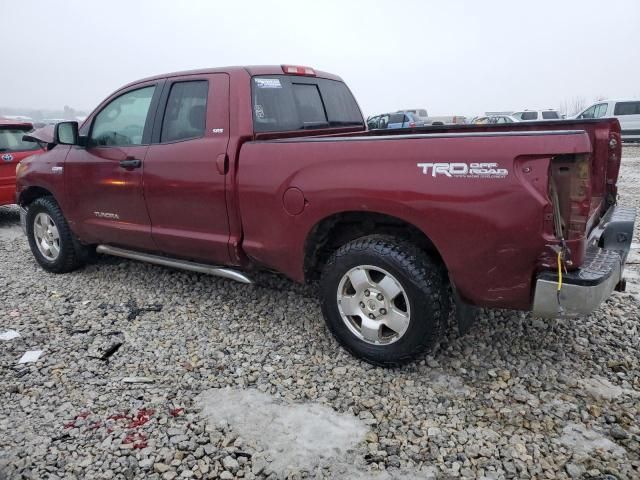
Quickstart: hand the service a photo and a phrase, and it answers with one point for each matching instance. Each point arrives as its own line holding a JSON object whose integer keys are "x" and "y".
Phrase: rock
{"x": 573, "y": 470}
{"x": 160, "y": 467}
{"x": 618, "y": 432}
{"x": 230, "y": 463}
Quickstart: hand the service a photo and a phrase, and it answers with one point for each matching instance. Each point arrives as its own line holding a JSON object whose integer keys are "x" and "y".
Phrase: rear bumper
{"x": 583, "y": 290}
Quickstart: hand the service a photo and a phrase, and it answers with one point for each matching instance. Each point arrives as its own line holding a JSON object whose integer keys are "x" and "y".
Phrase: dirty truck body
{"x": 228, "y": 171}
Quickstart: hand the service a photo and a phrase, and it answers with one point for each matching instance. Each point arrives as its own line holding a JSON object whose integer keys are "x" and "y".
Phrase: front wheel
{"x": 51, "y": 240}
{"x": 384, "y": 299}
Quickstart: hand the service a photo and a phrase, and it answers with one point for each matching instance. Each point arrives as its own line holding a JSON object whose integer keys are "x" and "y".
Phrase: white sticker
{"x": 9, "y": 335}
{"x": 259, "y": 111}
{"x": 268, "y": 83}
{"x": 30, "y": 356}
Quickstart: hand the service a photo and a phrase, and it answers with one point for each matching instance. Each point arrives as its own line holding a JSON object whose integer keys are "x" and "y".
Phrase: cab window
{"x": 589, "y": 112}
{"x": 627, "y": 108}
{"x": 11, "y": 141}
{"x": 600, "y": 110}
{"x": 186, "y": 111}
{"x": 122, "y": 121}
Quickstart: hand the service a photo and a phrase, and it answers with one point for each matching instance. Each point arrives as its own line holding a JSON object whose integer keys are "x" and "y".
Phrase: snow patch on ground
{"x": 602, "y": 389}
{"x": 583, "y": 441}
{"x": 301, "y": 436}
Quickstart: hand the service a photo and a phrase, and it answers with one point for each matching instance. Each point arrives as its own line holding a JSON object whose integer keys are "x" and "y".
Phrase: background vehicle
{"x": 12, "y": 150}
{"x": 447, "y": 120}
{"x": 533, "y": 115}
{"x": 494, "y": 119}
{"x": 626, "y": 111}
{"x": 419, "y": 114}
{"x": 394, "y": 120}
{"x": 286, "y": 177}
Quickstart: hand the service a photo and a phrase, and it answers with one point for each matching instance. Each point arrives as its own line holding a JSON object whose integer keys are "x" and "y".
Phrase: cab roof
{"x": 252, "y": 70}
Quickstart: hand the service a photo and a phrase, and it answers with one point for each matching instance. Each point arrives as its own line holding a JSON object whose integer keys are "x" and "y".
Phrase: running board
{"x": 174, "y": 263}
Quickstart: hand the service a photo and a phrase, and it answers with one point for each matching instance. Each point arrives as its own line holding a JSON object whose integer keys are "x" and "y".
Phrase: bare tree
{"x": 571, "y": 106}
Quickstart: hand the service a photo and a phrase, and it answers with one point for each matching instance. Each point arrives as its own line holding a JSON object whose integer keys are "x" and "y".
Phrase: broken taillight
{"x": 570, "y": 193}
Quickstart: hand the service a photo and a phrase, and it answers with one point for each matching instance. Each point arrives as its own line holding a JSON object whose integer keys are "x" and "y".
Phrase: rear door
{"x": 186, "y": 169}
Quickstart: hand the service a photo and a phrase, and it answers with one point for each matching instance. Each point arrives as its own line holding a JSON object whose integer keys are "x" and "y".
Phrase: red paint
{"x": 175, "y": 412}
{"x": 492, "y": 233}
{"x": 142, "y": 417}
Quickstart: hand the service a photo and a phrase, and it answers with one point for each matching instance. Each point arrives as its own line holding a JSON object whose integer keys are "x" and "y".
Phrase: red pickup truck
{"x": 232, "y": 170}
{"x": 12, "y": 149}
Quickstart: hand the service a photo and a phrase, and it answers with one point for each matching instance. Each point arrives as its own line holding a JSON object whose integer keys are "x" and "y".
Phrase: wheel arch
{"x": 335, "y": 230}
{"x": 28, "y": 195}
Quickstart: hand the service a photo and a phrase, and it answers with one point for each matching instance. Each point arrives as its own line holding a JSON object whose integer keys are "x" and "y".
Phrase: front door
{"x": 104, "y": 178}
{"x": 185, "y": 169}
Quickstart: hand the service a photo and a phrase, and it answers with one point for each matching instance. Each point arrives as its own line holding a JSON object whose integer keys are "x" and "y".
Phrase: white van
{"x": 626, "y": 111}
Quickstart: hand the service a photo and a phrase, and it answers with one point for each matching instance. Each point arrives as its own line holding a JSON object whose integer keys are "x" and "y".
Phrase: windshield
{"x": 285, "y": 102}
{"x": 11, "y": 141}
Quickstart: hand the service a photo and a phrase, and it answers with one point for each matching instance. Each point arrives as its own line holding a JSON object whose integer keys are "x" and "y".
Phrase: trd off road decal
{"x": 463, "y": 170}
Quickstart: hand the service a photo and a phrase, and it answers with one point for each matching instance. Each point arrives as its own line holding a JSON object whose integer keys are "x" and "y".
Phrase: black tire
{"x": 424, "y": 281}
{"x": 72, "y": 254}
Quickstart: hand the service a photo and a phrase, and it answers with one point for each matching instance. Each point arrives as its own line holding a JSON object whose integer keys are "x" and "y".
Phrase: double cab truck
{"x": 230, "y": 171}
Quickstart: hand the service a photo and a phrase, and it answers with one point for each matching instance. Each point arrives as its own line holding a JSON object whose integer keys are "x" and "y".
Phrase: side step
{"x": 174, "y": 263}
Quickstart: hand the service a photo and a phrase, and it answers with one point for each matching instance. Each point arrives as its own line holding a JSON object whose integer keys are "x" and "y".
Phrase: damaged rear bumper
{"x": 583, "y": 290}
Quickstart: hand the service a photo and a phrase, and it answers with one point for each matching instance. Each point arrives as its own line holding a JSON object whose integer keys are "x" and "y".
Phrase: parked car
{"x": 533, "y": 115}
{"x": 492, "y": 119}
{"x": 419, "y": 114}
{"x": 395, "y": 227}
{"x": 12, "y": 150}
{"x": 394, "y": 120}
{"x": 626, "y": 111}
{"x": 447, "y": 120}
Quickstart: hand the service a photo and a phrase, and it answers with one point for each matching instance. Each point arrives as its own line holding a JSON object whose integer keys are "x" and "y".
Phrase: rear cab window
{"x": 550, "y": 115}
{"x": 11, "y": 141}
{"x": 288, "y": 102}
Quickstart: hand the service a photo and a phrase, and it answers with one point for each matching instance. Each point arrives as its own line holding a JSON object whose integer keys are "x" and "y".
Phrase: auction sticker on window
{"x": 268, "y": 83}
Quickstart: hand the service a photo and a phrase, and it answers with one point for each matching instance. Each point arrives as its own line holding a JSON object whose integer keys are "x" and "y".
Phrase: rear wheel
{"x": 384, "y": 299}
{"x": 52, "y": 243}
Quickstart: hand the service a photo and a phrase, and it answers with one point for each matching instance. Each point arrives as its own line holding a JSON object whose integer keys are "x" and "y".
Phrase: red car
{"x": 232, "y": 170}
{"x": 12, "y": 150}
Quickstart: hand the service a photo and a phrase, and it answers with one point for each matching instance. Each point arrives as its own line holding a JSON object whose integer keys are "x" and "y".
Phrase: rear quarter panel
{"x": 489, "y": 231}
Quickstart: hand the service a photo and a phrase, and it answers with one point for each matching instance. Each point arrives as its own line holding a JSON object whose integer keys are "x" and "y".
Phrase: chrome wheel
{"x": 46, "y": 236}
{"x": 373, "y": 304}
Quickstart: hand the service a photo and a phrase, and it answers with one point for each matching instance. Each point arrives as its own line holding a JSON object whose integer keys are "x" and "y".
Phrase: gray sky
{"x": 456, "y": 57}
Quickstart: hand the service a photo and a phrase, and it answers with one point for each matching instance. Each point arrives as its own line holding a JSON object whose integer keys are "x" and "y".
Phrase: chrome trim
{"x": 425, "y": 135}
{"x": 574, "y": 299}
{"x": 174, "y": 263}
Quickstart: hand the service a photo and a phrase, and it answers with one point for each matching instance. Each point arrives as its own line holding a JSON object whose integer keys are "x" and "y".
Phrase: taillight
{"x": 298, "y": 70}
{"x": 570, "y": 188}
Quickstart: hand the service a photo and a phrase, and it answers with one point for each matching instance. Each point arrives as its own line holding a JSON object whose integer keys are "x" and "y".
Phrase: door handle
{"x": 131, "y": 163}
{"x": 222, "y": 163}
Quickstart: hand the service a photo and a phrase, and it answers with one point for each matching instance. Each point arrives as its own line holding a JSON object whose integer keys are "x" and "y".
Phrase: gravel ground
{"x": 148, "y": 372}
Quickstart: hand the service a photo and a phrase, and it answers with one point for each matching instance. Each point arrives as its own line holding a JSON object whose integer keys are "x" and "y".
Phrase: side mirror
{"x": 66, "y": 133}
